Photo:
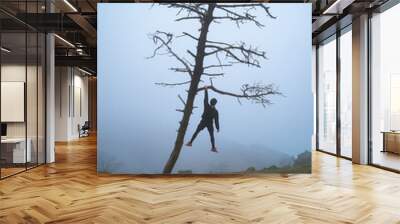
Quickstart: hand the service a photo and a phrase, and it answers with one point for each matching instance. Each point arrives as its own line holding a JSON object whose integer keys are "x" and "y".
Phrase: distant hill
{"x": 301, "y": 164}
{"x": 232, "y": 157}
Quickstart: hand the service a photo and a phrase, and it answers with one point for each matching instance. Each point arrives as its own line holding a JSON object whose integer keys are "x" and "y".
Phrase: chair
{"x": 84, "y": 130}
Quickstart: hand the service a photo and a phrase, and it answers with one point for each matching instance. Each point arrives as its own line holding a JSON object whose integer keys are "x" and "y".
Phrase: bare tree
{"x": 226, "y": 55}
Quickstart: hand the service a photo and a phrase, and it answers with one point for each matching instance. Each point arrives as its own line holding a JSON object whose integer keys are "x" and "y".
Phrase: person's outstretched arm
{"x": 206, "y": 98}
{"x": 216, "y": 120}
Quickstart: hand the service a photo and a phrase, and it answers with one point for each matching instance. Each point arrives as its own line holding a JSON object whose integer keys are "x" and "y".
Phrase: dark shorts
{"x": 205, "y": 124}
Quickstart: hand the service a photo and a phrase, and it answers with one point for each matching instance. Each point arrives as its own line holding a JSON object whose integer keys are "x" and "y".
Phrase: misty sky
{"x": 137, "y": 119}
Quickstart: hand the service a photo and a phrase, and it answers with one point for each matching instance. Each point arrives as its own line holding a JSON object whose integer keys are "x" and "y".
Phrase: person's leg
{"x": 210, "y": 129}
{"x": 200, "y": 127}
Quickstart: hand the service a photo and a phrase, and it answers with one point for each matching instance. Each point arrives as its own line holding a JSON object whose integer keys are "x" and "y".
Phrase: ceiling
{"x": 75, "y": 23}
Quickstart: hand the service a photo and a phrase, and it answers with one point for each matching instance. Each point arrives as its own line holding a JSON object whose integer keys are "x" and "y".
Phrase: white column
{"x": 360, "y": 90}
{"x": 50, "y": 92}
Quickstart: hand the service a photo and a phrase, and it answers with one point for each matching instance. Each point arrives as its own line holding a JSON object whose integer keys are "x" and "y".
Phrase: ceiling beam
{"x": 81, "y": 61}
{"x": 85, "y": 25}
{"x": 338, "y": 6}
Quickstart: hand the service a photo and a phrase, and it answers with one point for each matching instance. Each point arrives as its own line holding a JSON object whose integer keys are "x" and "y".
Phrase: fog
{"x": 138, "y": 121}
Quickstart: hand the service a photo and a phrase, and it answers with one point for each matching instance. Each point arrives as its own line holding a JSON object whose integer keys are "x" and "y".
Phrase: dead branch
{"x": 181, "y": 99}
{"x": 189, "y": 35}
{"x": 217, "y": 66}
{"x": 213, "y": 74}
{"x": 188, "y": 18}
{"x": 190, "y": 8}
{"x": 240, "y": 53}
{"x": 249, "y": 6}
{"x": 164, "y": 39}
{"x": 183, "y": 70}
{"x": 257, "y": 93}
{"x": 191, "y": 53}
{"x": 165, "y": 84}
{"x": 244, "y": 16}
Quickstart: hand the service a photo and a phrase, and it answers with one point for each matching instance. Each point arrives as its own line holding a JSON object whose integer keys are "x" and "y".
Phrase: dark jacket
{"x": 209, "y": 113}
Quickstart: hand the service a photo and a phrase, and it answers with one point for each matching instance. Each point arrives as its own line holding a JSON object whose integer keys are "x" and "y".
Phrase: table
{"x": 391, "y": 141}
{"x": 13, "y": 150}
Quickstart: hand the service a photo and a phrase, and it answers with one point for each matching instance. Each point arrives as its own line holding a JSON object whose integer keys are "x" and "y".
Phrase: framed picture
{"x": 204, "y": 88}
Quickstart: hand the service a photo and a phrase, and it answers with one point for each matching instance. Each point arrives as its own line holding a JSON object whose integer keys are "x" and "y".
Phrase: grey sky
{"x": 137, "y": 119}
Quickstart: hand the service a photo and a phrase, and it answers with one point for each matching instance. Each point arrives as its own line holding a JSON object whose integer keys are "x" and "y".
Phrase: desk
{"x": 391, "y": 141}
{"x": 13, "y": 150}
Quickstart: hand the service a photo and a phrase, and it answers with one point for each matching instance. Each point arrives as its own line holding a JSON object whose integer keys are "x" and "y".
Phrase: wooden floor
{"x": 5, "y": 172}
{"x": 386, "y": 159}
{"x": 70, "y": 191}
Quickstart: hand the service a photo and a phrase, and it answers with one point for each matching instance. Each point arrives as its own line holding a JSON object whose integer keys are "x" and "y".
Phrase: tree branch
{"x": 191, "y": 53}
{"x": 244, "y": 16}
{"x": 213, "y": 74}
{"x": 182, "y": 100}
{"x": 183, "y": 70}
{"x": 188, "y": 18}
{"x": 165, "y": 84}
{"x": 217, "y": 66}
{"x": 189, "y": 35}
{"x": 190, "y": 8}
{"x": 158, "y": 38}
{"x": 257, "y": 93}
{"x": 237, "y": 52}
{"x": 240, "y": 53}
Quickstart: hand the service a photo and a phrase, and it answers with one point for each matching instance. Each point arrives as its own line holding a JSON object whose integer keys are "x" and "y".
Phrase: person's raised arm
{"x": 206, "y": 97}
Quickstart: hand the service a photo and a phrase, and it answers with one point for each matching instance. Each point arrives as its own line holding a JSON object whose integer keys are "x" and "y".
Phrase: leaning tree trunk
{"x": 197, "y": 72}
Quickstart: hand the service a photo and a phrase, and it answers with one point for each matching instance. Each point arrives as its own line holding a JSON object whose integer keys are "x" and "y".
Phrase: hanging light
{"x": 64, "y": 40}
{"x": 84, "y": 71}
{"x": 70, "y": 5}
{"x": 5, "y": 50}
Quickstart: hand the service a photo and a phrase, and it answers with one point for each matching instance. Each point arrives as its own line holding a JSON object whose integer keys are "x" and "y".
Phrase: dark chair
{"x": 84, "y": 130}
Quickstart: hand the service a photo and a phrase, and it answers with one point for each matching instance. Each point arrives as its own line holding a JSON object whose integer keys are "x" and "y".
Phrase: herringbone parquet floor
{"x": 70, "y": 191}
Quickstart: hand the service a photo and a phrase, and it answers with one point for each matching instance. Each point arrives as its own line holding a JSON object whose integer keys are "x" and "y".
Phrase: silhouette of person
{"x": 210, "y": 114}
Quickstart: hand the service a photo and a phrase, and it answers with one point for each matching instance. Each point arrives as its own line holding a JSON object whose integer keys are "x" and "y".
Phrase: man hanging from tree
{"x": 210, "y": 114}
{"x": 240, "y": 52}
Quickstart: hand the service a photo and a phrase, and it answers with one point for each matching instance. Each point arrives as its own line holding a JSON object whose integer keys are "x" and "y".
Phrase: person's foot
{"x": 189, "y": 144}
{"x": 213, "y": 149}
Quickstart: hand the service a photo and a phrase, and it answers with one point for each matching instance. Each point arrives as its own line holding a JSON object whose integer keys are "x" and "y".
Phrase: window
{"x": 22, "y": 88}
{"x": 346, "y": 92}
{"x": 385, "y": 89}
{"x": 327, "y": 96}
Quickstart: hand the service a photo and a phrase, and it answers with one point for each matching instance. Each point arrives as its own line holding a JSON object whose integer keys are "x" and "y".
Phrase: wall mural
{"x": 204, "y": 88}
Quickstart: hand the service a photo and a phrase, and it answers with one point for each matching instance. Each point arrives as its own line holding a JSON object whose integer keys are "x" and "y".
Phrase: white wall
{"x": 62, "y": 82}
{"x": 81, "y": 114}
{"x": 12, "y": 73}
{"x": 33, "y": 127}
{"x": 71, "y": 87}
